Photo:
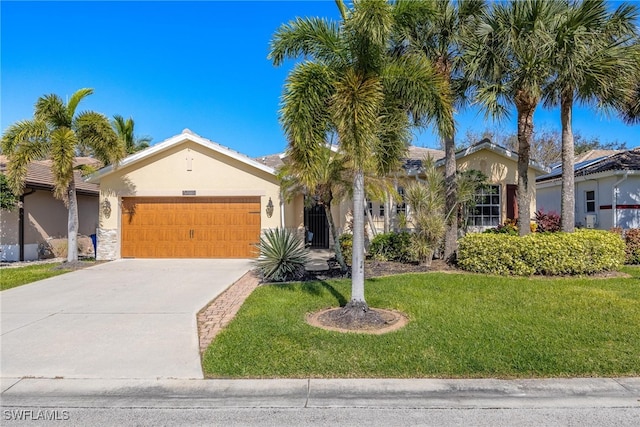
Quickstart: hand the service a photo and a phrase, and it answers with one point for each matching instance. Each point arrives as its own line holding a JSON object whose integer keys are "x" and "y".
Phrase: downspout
{"x": 281, "y": 211}
{"x": 21, "y": 224}
{"x": 614, "y": 207}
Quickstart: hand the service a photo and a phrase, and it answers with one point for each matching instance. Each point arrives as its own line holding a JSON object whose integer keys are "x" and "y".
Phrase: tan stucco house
{"x": 187, "y": 197}
{"x": 39, "y": 222}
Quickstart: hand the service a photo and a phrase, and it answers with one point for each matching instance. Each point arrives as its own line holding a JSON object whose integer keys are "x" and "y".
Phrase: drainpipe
{"x": 615, "y": 197}
{"x": 281, "y": 211}
{"x": 21, "y": 223}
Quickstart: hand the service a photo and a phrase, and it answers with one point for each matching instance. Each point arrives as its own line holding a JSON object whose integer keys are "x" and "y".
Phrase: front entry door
{"x": 317, "y": 226}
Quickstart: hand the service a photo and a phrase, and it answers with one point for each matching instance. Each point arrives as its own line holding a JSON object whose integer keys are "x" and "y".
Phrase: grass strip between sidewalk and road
{"x": 461, "y": 326}
{"x": 18, "y": 276}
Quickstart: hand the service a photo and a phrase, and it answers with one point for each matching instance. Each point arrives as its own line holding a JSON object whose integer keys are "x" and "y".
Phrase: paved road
{"x": 584, "y": 402}
{"x": 122, "y": 319}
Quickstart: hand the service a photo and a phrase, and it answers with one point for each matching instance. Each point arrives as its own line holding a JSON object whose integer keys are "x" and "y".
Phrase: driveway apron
{"x": 131, "y": 318}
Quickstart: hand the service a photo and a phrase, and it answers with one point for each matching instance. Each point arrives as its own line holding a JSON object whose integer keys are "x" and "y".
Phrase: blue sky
{"x": 176, "y": 65}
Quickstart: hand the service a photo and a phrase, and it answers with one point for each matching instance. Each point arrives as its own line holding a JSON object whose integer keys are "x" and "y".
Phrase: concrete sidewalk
{"x": 323, "y": 393}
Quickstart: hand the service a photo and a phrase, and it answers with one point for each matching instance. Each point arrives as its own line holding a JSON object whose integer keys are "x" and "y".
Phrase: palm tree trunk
{"x": 568, "y": 201}
{"x": 72, "y": 223}
{"x": 357, "y": 264}
{"x": 525, "y": 135}
{"x": 336, "y": 239}
{"x": 387, "y": 212}
{"x": 451, "y": 231}
{"x": 372, "y": 225}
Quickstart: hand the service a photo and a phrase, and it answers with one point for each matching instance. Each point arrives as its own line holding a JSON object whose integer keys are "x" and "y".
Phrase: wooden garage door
{"x": 190, "y": 227}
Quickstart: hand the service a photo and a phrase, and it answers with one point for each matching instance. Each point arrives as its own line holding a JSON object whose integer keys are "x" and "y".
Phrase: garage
{"x": 190, "y": 227}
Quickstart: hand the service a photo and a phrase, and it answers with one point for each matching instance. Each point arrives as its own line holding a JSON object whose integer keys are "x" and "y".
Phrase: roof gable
{"x": 182, "y": 138}
{"x": 486, "y": 144}
{"x": 619, "y": 161}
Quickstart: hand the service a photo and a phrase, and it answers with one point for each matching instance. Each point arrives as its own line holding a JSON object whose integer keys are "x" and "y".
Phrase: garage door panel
{"x": 185, "y": 227}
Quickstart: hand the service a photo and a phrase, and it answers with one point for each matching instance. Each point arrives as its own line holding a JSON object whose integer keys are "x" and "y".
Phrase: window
{"x": 590, "y": 197}
{"x": 402, "y": 206}
{"x": 486, "y": 212}
{"x": 370, "y": 208}
{"x": 381, "y": 209}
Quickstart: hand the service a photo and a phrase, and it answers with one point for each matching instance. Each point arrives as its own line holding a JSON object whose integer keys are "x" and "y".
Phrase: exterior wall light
{"x": 106, "y": 208}
{"x": 269, "y": 208}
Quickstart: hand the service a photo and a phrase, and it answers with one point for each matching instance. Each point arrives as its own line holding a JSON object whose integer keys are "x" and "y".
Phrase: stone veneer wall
{"x": 107, "y": 244}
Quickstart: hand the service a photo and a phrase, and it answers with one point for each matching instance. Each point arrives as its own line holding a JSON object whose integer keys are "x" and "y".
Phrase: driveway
{"x": 122, "y": 319}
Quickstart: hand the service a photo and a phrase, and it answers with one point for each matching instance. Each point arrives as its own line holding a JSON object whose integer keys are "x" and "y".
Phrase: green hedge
{"x": 391, "y": 247}
{"x": 582, "y": 252}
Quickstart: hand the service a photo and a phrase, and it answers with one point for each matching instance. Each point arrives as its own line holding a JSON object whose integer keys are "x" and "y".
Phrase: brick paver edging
{"x": 219, "y": 312}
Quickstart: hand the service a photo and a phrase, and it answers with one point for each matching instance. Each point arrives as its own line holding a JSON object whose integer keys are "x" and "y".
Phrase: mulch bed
{"x": 381, "y": 268}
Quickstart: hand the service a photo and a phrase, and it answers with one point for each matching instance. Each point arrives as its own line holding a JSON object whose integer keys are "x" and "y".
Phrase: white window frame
{"x": 476, "y": 216}
{"x": 587, "y": 201}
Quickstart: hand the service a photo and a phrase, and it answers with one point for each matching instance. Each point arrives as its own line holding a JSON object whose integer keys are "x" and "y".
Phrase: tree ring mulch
{"x": 331, "y": 319}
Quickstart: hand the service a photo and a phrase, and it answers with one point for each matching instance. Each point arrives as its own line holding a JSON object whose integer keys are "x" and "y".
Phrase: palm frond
{"x": 51, "y": 109}
{"x": 94, "y": 131}
{"x": 314, "y": 38}
{"x": 63, "y": 144}
{"x": 24, "y": 142}
{"x": 75, "y": 99}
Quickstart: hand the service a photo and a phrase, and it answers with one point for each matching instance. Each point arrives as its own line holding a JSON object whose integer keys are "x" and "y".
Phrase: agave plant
{"x": 282, "y": 255}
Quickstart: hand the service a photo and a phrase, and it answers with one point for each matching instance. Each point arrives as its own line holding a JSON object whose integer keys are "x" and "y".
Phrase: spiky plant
{"x": 282, "y": 255}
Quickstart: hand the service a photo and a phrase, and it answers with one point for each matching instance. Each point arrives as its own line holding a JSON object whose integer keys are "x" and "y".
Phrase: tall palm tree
{"x": 324, "y": 184}
{"x": 592, "y": 63}
{"x": 57, "y": 132}
{"x": 509, "y": 59}
{"x": 125, "y": 131}
{"x": 351, "y": 85}
{"x": 437, "y": 28}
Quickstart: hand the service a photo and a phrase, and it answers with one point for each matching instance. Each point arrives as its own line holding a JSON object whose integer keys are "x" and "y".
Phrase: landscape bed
{"x": 460, "y": 326}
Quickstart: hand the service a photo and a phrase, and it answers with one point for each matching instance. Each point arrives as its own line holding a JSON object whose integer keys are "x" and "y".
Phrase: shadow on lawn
{"x": 315, "y": 290}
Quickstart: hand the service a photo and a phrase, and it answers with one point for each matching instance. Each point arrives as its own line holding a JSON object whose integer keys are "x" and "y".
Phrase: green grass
{"x": 461, "y": 326}
{"x": 13, "y": 277}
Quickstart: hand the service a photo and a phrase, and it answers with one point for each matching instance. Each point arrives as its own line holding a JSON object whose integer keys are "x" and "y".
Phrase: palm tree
{"x": 437, "y": 29}
{"x": 324, "y": 184}
{"x": 350, "y": 85}
{"x": 124, "y": 130}
{"x": 57, "y": 132}
{"x": 509, "y": 59}
{"x": 592, "y": 63}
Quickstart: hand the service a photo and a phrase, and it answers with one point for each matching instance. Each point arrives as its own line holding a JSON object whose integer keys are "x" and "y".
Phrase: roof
{"x": 186, "y": 135}
{"x": 413, "y": 159}
{"x": 39, "y": 175}
{"x": 486, "y": 144}
{"x": 595, "y": 155}
{"x": 619, "y": 161}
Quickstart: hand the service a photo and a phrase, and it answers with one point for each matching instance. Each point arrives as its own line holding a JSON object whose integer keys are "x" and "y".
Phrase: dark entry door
{"x": 317, "y": 226}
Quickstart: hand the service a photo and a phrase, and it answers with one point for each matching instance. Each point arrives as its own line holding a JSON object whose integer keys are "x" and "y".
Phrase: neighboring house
{"x": 187, "y": 197}
{"x": 28, "y": 230}
{"x": 607, "y": 190}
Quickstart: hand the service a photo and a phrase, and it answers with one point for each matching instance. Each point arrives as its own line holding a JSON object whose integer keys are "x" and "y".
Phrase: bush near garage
{"x": 391, "y": 247}
{"x": 581, "y": 252}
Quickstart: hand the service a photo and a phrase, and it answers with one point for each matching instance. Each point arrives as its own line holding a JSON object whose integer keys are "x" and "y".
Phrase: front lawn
{"x": 17, "y": 276}
{"x": 461, "y": 325}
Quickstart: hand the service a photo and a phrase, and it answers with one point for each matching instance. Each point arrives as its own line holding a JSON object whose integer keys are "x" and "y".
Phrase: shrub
{"x": 282, "y": 255}
{"x": 582, "y": 252}
{"x": 632, "y": 244}
{"x": 548, "y": 221}
{"x": 346, "y": 245}
{"x": 391, "y": 247}
{"x": 509, "y": 227}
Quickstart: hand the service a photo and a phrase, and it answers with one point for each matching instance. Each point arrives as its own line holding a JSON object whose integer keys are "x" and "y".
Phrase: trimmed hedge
{"x": 581, "y": 252}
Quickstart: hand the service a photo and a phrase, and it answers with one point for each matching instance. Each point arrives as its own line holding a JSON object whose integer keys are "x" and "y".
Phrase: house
{"x": 607, "y": 190}
{"x": 189, "y": 197}
{"x": 29, "y": 231}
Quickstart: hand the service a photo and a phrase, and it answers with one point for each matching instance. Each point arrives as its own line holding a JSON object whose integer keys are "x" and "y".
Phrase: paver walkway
{"x": 223, "y": 309}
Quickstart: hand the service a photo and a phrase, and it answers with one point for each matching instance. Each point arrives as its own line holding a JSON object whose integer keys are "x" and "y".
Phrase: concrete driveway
{"x": 122, "y": 319}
